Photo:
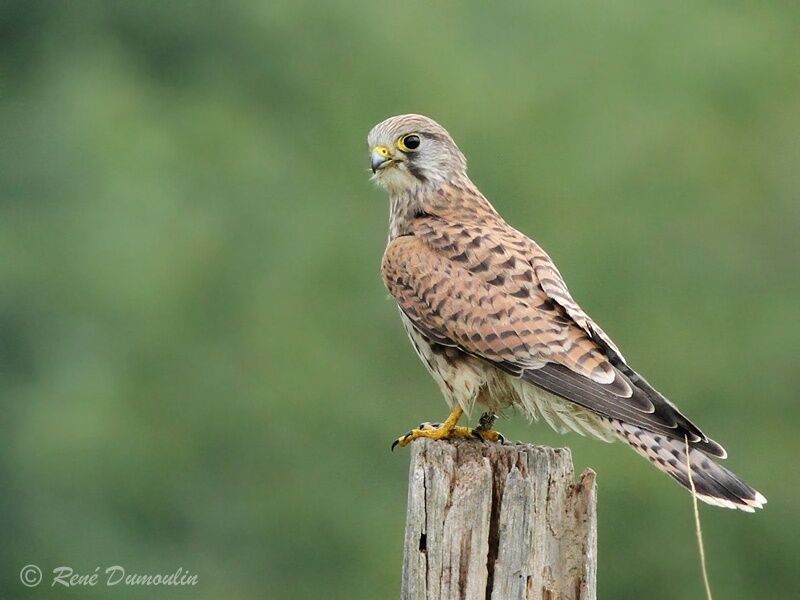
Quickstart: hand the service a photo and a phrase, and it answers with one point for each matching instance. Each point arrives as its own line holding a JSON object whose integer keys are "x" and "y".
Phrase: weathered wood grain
{"x": 498, "y": 522}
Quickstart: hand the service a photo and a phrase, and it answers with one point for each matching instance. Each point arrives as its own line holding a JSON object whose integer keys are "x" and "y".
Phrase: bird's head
{"x": 411, "y": 151}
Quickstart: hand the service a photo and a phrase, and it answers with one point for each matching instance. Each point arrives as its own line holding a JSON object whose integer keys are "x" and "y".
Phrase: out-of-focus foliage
{"x": 199, "y": 366}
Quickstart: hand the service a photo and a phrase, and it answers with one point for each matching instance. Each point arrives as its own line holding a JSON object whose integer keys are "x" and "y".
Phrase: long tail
{"x": 713, "y": 483}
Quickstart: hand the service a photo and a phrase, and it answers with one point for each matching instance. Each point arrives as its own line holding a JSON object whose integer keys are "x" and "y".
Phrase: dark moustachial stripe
{"x": 415, "y": 171}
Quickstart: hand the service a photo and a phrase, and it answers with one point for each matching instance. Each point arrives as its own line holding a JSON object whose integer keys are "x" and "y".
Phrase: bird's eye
{"x": 408, "y": 142}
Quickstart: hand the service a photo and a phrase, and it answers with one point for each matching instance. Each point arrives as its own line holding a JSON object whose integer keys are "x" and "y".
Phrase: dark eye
{"x": 409, "y": 142}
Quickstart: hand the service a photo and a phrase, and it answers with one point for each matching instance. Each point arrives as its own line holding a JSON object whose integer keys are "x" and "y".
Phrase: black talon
{"x": 397, "y": 441}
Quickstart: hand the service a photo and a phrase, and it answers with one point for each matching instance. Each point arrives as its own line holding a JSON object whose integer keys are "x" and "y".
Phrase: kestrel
{"x": 491, "y": 318}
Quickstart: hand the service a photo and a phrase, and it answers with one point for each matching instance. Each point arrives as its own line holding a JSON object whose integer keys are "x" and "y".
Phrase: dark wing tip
{"x": 713, "y": 448}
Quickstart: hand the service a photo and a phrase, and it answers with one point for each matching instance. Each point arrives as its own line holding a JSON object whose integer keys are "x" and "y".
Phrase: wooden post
{"x": 487, "y": 521}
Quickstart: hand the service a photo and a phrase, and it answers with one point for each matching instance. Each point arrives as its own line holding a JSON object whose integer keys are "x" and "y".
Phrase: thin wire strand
{"x": 698, "y": 530}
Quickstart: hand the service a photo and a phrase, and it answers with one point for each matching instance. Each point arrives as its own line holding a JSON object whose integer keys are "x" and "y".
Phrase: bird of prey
{"x": 492, "y": 320}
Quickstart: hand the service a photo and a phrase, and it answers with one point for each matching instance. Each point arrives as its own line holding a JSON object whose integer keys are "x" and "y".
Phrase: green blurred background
{"x": 199, "y": 366}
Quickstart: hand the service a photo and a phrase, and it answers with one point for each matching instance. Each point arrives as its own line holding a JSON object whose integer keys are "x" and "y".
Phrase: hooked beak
{"x": 380, "y": 157}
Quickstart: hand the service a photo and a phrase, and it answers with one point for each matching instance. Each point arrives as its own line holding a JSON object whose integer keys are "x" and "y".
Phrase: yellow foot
{"x": 433, "y": 431}
{"x": 449, "y": 430}
{"x": 488, "y": 435}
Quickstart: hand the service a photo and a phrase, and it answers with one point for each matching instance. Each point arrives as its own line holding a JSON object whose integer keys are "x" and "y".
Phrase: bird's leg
{"x": 484, "y": 429}
{"x": 449, "y": 429}
{"x": 437, "y": 431}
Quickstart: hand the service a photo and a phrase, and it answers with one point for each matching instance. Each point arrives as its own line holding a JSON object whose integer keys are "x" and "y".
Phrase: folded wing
{"x": 491, "y": 292}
